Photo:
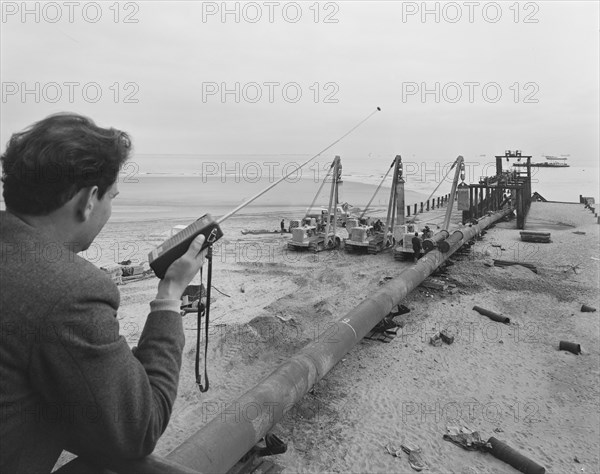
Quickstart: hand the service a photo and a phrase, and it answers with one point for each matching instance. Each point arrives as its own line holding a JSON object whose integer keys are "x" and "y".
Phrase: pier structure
{"x": 492, "y": 192}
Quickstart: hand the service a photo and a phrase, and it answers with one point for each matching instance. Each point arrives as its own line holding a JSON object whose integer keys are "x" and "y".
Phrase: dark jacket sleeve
{"x": 114, "y": 404}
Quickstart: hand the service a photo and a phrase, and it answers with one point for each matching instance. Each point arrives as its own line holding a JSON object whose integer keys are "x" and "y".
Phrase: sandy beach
{"x": 508, "y": 381}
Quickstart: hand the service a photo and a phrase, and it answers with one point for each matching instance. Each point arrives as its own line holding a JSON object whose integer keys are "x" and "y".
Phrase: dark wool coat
{"x": 67, "y": 379}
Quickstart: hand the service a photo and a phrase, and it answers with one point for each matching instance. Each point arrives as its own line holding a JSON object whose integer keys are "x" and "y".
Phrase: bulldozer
{"x": 404, "y": 249}
{"x": 318, "y": 230}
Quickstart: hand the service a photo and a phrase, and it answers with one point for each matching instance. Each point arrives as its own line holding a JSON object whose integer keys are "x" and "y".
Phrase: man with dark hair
{"x": 68, "y": 379}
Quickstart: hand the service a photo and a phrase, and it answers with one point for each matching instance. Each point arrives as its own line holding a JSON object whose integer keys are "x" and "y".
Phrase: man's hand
{"x": 182, "y": 271}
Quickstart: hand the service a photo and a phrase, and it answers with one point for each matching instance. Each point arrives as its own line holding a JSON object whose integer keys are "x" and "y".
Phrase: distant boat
{"x": 545, "y": 164}
{"x": 553, "y": 162}
{"x": 548, "y": 157}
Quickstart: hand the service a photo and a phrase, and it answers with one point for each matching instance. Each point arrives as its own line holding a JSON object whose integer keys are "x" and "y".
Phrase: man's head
{"x": 64, "y": 169}
{"x": 416, "y": 234}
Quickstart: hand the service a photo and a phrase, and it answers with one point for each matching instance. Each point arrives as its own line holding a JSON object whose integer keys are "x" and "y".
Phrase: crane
{"x": 430, "y": 240}
{"x": 378, "y": 237}
{"x": 318, "y": 231}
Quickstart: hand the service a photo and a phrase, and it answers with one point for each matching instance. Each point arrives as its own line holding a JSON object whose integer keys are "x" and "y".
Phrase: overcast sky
{"x": 299, "y": 75}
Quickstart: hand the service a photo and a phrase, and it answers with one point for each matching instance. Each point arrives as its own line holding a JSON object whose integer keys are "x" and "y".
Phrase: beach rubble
{"x": 466, "y": 438}
{"x": 492, "y": 315}
{"x": 415, "y": 458}
{"x": 508, "y": 263}
{"x": 472, "y": 441}
{"x": 440, "y": 337}
{"x": 434, "y": 284}
{"x": 569, "y": 346}
{"x": 538, "y": 237}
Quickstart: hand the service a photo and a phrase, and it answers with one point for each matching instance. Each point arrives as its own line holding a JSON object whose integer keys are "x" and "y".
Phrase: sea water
{"x": 185, "y": 186}
{"x": 149, "y": 196}
{"x": 423, "y": 177}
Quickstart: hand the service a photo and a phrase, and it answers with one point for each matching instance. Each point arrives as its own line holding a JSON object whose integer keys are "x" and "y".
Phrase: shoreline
{"x": 173, "y": 197}
{"x": 168, "y": 193}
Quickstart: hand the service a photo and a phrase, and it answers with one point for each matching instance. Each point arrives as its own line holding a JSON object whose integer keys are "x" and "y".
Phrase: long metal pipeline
{"x": 429, "y": 244}
{"x": 447, "y": 244}
{"x": 232, "y": 433}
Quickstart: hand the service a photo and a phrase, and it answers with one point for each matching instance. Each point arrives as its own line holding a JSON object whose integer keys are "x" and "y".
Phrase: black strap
{"x": 205, "y": 313}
